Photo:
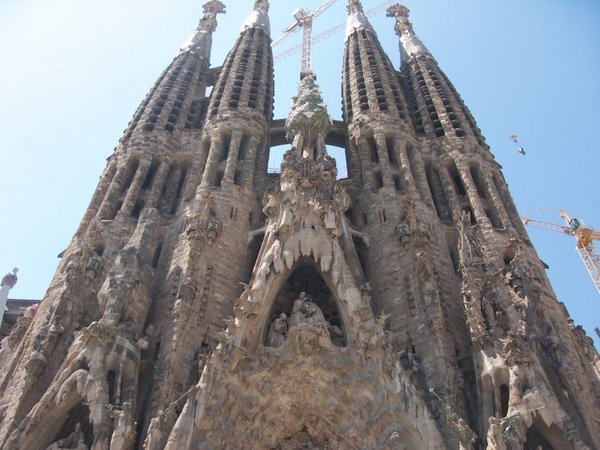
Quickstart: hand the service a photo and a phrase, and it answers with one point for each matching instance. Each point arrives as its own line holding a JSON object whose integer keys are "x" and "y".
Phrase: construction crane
{"x": 304, "y": 19}
{"x": 585, "y": 241}
{"x": 324, "y": 35}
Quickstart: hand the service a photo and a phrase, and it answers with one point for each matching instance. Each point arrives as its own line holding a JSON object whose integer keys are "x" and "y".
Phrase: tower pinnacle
{"x": 200, "y": 39}
{"x": 259, "y": 18}
{"x": 357, "y": 20}
{"x": 411, "y": 44}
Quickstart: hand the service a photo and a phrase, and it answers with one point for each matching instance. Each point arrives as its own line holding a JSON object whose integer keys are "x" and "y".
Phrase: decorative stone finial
{"x": 308, "y": 122}
{"x": 411, "y": 44}
{"x": 201, "y": 38}
{"x": 259, "y": 17}
{"x": 357, "y": 20}
{"x": 10, "y": 279}
{"x": 400, "y": 12}
{"x": 261, "y": 5}
{"x": 214, "y": 7}
{"x": 354, "y": 6}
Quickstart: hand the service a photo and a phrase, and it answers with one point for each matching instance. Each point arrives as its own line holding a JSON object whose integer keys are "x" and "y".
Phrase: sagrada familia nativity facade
{"x": 207, "y": 303}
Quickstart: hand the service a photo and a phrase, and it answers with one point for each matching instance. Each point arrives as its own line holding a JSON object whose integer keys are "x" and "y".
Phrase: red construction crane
{"x": 585, "y": 241}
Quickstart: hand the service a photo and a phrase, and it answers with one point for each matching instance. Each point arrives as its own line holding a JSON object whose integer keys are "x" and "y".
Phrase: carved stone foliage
{"x": 309, "y": 196}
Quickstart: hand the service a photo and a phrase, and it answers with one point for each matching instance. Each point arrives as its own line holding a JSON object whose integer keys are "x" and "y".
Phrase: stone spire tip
{"x": 259, "y": 18}
{"x": 357, "y": 20}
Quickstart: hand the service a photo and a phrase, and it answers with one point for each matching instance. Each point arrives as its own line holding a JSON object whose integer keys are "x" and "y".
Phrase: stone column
{"x": 8, "y": 282}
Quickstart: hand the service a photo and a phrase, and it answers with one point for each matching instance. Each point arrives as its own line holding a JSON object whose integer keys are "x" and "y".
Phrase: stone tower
{"x": 205, "y": 303}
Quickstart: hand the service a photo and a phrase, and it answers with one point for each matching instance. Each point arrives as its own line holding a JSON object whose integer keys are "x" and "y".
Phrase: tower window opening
{"x": 469, "y": 211}
{"x": 504, "y": 397}
{"x": 137, "y": 209}
{"x": 156, "y": 256}
{"x": 131, "y": 170}
{"x": 225, "y": 144}
{"x": 494, "y": 219}
{"x": 459, "y": 187}
{"x": 373, "y": 149}
{"x": 398, "y": 183}
{"x": 390, "y": 143}
{"x": 437, "y": 193}
{"x": 237, "y": 178}
{"x": 377, "y": 180}
{"x": 478, "y": 180}
{"x": 219, "y": 179}
{"x": 150, "y": 175}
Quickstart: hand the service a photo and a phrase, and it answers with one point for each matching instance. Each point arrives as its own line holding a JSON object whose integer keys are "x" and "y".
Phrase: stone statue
{"x": 494, "y": 435}
{"x": 278, "y": 331}
{"x": 74, "y": 441}
{"x": 466, "y": 436}
{"x": 308, "y": 313}
{"x": 124, "y": 435}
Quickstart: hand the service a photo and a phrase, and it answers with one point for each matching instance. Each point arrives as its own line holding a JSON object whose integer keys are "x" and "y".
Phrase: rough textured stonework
{"x": 206, "y": 304}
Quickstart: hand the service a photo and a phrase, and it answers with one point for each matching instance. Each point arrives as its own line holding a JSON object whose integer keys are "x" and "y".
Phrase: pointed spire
{"x": 411, "y": 44}
{"x": 200, "y": 40}
{"x": 259, "y": 17}
{"x": 308, "y": 121}
{"x": 357, "y": 20}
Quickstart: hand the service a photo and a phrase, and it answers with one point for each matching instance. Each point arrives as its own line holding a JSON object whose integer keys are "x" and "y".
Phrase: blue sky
{"x": 72, "y": 73}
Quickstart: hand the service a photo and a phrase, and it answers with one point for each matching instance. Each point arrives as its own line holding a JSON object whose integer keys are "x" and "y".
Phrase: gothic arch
{"x": 276, "y": 282}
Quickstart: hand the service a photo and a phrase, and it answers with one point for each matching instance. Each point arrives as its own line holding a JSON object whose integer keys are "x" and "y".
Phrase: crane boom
{"x": 585, "y": 241}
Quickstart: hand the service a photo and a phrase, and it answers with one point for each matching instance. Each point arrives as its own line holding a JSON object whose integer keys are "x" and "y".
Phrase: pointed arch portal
{"x": 307, "y": 278}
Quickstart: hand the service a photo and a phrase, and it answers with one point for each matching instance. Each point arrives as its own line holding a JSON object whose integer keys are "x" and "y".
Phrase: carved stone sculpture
{"x": 278, "y": 331}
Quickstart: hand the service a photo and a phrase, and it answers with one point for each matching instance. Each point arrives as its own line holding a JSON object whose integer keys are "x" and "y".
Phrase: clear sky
{"x": 72, "y": 73}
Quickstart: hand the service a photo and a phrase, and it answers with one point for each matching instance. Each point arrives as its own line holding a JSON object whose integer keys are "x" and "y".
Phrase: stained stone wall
{"x": 206, "y": 304}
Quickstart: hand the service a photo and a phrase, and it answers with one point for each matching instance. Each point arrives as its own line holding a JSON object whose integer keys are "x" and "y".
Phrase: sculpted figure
{"x": 306, "y": 312}
{"x": 466, "y": 436}
{"x": 73, "y": 441}
{"x": 278, "y": 331}
{"x": 494, "y": 434}
{"x": 124, "y": 435}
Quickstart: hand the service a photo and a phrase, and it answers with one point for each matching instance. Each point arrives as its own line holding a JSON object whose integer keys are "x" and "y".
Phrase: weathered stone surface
{"x": 206, "y": 304}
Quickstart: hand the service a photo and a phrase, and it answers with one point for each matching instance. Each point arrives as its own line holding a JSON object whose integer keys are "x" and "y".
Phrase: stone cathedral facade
{"x": 205, "y": 303}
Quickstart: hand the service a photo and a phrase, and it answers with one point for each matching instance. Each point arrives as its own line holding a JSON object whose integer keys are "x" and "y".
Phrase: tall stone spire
{"x": 308, "y": 122}
{"x": 411, "y": 45}
{"x": 357, "y": 20}
{"x": 259, "y": 18}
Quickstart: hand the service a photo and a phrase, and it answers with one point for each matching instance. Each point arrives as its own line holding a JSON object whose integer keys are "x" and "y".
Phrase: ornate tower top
{"x": 411, "y": 44}
{"x": 10, "y": 279}
{"x": 356, "y": 18}
{"x": 200, "y": 39}
{"x": 259, "y": 18}
{"x": 308, "y": 121}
